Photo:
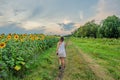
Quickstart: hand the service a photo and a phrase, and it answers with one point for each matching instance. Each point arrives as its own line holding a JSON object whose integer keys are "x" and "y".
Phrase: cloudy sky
{"x": 52, "y": 16}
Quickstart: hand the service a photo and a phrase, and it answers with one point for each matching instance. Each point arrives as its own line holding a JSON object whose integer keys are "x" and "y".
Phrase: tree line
{"x": 107, "y": 28}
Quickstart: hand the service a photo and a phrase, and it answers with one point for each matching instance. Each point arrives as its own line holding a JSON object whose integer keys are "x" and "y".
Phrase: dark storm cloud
{"x": 66, "y": 27}
{"x": 13, "y": 28}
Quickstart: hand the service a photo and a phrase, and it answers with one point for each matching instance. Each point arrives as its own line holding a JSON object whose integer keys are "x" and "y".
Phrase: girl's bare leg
{"x": 63, "y": 62}
{"x": 59, "y": 61}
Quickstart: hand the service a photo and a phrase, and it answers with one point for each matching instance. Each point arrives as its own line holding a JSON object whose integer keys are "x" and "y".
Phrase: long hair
{"x": 62, "y": 39}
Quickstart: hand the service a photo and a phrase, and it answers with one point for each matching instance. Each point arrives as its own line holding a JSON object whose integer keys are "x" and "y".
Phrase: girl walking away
{"x": 61, "y": 52}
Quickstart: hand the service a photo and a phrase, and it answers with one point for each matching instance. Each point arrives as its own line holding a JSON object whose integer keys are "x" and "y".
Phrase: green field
{"x": 87, "y": 59}
{"x": 103, "y": 52}
{"x": 106, "y": 52}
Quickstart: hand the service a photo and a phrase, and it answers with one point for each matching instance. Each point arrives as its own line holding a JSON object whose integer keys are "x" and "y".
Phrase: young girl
{"x": 61, "y": 52}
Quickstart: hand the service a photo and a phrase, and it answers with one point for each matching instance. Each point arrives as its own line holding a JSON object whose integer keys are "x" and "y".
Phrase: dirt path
{"x": 99, "y": 71}
{"x": 80, "y": 66}
{"x": 76, "y": 69}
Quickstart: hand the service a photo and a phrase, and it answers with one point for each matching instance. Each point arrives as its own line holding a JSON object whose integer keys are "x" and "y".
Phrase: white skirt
{"x": 61, "y": 54}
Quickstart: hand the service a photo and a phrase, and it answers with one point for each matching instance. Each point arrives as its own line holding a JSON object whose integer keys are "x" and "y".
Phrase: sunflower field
{"x": 19, "y": 51}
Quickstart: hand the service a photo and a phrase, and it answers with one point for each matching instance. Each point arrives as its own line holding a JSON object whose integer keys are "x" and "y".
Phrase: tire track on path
{"x": 76, "y": 69}
{"x": 99, "y": 71}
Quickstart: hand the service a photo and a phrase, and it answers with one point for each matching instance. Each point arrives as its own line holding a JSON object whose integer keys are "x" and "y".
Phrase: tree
{"x": 110, "y": 27}
{"x": 90, "y": 29}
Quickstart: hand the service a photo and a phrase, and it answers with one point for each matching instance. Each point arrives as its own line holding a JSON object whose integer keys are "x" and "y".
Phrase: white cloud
{"x": 77, "y": 25}
{"x": 21, "y": 13}
{"x": 30, "y": 25}
{"x": 13, "y": 12}
{"x": 67, "y": 21}
{"x": 106, "y": 8}
{"x": 34, "y": 14}
{"x": 53, "y": 28}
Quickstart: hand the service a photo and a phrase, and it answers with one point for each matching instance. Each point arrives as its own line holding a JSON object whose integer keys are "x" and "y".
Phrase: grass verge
{"x": 46, "y": 69}
{"x": 106, "y": 52}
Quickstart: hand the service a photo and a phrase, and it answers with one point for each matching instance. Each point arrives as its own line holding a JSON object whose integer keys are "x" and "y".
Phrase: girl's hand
{"x": 57, "y": 52}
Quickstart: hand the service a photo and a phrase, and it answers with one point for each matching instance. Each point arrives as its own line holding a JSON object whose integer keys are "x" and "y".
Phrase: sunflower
{"x": 9, "y": 37}
{"x": 17, "y": 67}
{"x": 23, "y": 63}
{"x": 2, "y": 34}
{"x": 10, "y": 34}
{"x": 42, "y": 37}
{"x": 31, "y": 35}
{"x": 24, "y": 34}
{"x": 22, "y": 39}
{"x": 2, "y": 45}
{"x": 32, "y": 38}
{"x": 16, "y": 37}
{"x": 36, "y": 38}
{"x": 0, "y": 37}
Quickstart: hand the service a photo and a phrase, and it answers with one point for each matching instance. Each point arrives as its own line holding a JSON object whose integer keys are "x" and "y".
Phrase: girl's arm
{"x": 65, "y": 45}
{"x": 57, "y": 47}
